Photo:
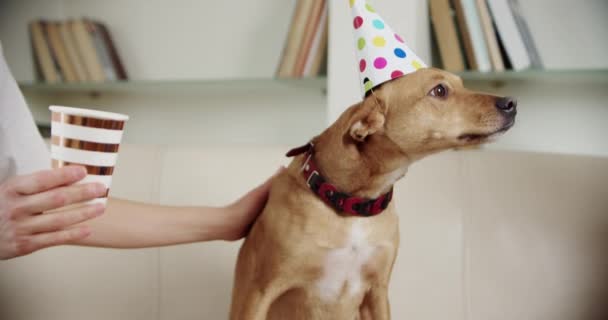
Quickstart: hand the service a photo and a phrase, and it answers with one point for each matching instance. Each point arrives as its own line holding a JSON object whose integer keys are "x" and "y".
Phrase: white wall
{"x": 565, "y": 116}
{"x": 569, "y": 34}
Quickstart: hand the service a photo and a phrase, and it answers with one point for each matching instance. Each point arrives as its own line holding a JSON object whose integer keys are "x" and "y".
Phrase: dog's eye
{"x": 439, "y": 91}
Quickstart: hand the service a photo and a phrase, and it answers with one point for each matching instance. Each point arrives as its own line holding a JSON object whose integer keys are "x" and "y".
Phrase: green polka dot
{"x": 379, "y": 41}
{"x": 361, "y": 43}
{"x": 368, "y": 86}
{"x": 369, "y": 7}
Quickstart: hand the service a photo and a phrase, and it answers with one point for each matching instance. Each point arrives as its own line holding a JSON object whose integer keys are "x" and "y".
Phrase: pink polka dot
{"x": 380, "y": 63}
{"x": 358, "y": 22}
{"x": 398, "y": 38}
{"x": 362, "y": 65}
{"x": 396, "y": 74}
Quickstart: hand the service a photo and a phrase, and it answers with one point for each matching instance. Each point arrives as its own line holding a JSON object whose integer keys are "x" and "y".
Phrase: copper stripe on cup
{"x": 95, "y": 170}
{"x": 84, "y": 145}
{"x": 87, "y": 121}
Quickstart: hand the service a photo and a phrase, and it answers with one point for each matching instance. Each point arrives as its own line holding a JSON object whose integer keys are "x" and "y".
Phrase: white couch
{"x": 486, "y": 235}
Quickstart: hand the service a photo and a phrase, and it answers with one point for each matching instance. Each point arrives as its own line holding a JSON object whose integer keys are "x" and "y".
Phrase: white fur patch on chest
{"x": 343, "y": 266}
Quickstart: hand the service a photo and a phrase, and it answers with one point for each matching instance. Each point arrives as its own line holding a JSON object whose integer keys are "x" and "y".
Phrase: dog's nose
{"x": 506, "y": 104}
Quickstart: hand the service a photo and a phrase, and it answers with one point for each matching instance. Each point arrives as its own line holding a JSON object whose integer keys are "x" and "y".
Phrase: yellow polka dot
{"x": 416, "y": 64}
{"x": 379, "y": 41}
{"x": 352, "y": 2}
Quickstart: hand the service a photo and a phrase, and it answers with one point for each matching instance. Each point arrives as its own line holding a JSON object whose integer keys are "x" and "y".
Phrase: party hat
{"x": 381, "y": 53}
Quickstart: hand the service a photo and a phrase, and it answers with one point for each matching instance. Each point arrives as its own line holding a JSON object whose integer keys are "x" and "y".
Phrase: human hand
{"x": 25, "y": 228}
{"x": 240, "y": 215}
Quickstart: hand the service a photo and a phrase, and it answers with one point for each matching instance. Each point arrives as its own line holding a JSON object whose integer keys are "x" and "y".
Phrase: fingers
{"x": 48, "y": 179}
{"x": 33, "y": 243}
{"x": 60, "y": 197}
{"x": 50, "y": 222}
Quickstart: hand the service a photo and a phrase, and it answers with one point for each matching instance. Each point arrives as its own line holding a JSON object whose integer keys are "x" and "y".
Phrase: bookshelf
{"x": 174, "y": 77}
{"x": 562, "y": 109}
{"x": 198, "y": 75}
{"x": 280, "y": 84}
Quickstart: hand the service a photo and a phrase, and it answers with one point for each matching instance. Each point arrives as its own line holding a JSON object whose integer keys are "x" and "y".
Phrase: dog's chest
{"x": 343, "y": 267}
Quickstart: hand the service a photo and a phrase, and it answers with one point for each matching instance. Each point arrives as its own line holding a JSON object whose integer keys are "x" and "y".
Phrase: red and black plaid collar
{"x": 340, "y": 201}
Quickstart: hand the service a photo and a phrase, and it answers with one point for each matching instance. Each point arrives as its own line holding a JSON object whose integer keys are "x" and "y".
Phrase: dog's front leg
{"x": 375, "y": 305}
{"x": 254, "y": 304}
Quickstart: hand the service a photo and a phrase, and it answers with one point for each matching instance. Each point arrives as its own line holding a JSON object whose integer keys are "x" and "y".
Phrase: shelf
{"x": 223, "y": 86}
{"x": 319, "y": 84}
{"x": 536, "y": 75}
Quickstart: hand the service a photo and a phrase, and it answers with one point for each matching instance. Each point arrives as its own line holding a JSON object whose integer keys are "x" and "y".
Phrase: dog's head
{"x": 429, "y": 111}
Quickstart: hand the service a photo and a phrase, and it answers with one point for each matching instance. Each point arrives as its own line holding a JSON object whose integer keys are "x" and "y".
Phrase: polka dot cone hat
{"x": 381, "y": 53}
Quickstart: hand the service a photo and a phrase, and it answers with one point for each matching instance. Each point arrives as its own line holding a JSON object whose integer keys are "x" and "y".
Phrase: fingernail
{"x": 85, "y": 231}
{"x": 99, "y": 189}
{"x": 100, "y": 208}
{"x": 77, "y": 171}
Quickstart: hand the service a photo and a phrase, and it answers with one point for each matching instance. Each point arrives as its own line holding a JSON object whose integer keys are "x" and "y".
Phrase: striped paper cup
{"x": 89, "y": 138}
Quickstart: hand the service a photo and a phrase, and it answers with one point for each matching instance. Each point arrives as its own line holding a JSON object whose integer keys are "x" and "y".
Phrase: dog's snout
{"x": 506, "y": 104}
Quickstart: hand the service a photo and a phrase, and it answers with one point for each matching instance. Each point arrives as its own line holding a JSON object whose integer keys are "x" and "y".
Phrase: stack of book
{"x": 482, "y": 35}
{"x": 71, "y": 51}
{"x": 305, "y": 51}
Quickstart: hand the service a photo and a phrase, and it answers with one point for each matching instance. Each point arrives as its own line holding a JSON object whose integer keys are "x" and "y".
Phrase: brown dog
{"x": 305, "y": 260}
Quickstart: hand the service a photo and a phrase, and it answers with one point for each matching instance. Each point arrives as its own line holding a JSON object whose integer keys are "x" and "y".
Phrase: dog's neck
{"x": 364, "y": 169}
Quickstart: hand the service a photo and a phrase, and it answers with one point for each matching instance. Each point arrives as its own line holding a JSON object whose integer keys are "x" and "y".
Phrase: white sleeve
{"x": 22, "y": 149}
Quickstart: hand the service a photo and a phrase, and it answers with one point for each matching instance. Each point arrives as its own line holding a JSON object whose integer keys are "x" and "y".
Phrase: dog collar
{"x": 340, "y": 201}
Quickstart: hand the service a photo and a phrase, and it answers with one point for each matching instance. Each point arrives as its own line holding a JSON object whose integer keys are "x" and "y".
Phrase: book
{"x": 312, "y": 65}
{"x": 309, "y": 34}
{"x": 473, "y": 36}
{"x": 102, "y": 50}
{"x": 294, "y": 38}
{"x": 490, "y": 36}
{"x": 119, "y": 68}
{"x": 59, "y": 52}
{"x": 444, "y": 26}
{"x": 465, "y": 36}
{"x": 86, "y": 47}
{"x": 522, "y": 25}
{"x": 509, "y": 34}
{"x": 45, "y": 65}
{"x": 72, "y": 52}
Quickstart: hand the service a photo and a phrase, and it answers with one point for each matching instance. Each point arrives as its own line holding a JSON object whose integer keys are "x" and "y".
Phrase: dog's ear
{"x": 368, "y": 119}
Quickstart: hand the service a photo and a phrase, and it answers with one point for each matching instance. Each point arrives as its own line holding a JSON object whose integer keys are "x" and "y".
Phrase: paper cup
{"x": 89, "y": 138}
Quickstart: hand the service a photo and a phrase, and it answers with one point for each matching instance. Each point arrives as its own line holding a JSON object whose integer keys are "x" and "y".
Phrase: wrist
{"x": 215, "y": 224}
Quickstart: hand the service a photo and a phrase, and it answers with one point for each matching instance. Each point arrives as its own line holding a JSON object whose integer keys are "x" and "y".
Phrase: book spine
{"x": 290, "y": 50}
{"x": 119, "y": 68}
{"x": 509, "y": 34}
{"x": 317, "y": 47}
{"x": 59, "y": 52}
{"x": 43, "y": 53}
{"x": 480, "y": 48}
{"x": 309, "y": 34}
{"x": 102, "y": 52}
{"x": 446, "y": 36}
{"x": 526, "y": 35}
{"x": 465, "y": 35}
{"x": 490, "y": 35}
{"x": 83, "y": 32}
{"x": 72, "y": 53}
